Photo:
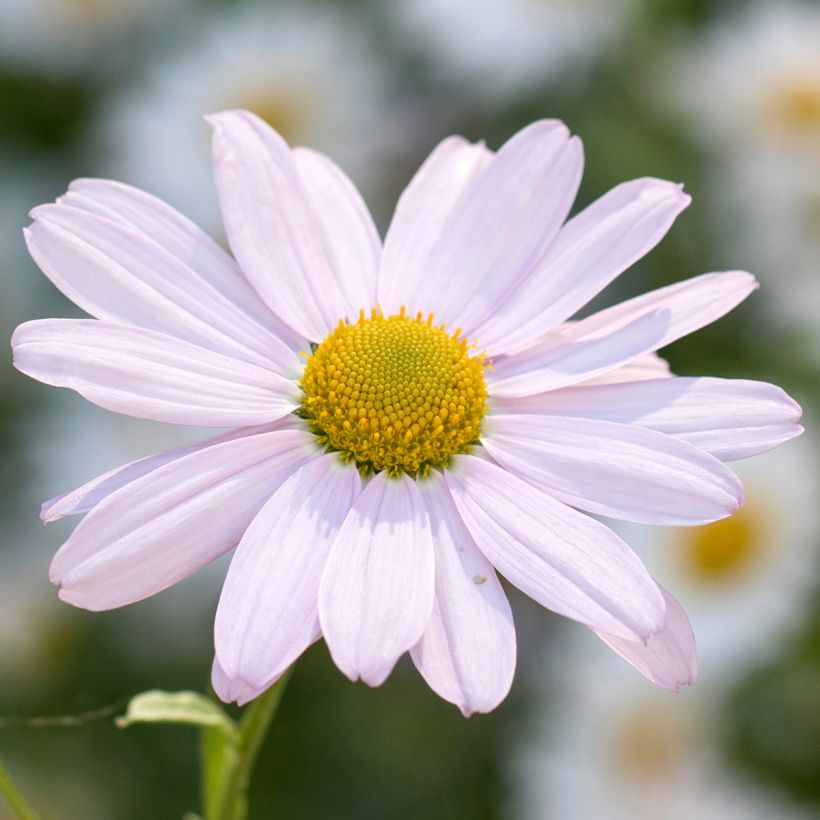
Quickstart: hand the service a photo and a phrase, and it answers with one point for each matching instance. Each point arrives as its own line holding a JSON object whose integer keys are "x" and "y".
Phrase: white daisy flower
{"x": 380, "y": 469}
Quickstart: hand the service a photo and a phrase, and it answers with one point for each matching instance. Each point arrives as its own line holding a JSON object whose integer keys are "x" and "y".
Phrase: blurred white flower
{"x": 749, "y": 90}
{"x": 305, "y": 70}
{"x": 499, "y": 46}
{"x": 66, "y": 35}
{"x": 745, "y": 581}
{"x": 610, "y": 747}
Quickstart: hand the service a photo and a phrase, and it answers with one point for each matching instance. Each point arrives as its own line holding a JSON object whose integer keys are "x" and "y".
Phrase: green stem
{"x": 253, "y": 728}
{"x": 18, "y": 803}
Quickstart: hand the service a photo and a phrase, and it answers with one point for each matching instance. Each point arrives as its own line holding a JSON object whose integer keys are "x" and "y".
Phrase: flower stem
{"x": 22, "y": 810}
{"x": 238, "y": 767}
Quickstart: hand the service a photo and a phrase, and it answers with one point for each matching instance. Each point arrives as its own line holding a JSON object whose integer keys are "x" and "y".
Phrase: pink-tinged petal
{"x": 618, "y": 470}
{"x": 564, "y": 361}
{"x": 180, "y": 237}
{"x": 348, "y": 234}
{"x": 85, "y": 498}
{"x": 591, "y": 250}
{"x": 167, "y": 524}
{"x": 150, "y": 375}
{"x": 274, "y": 233}
{"x": 467, "y": 652}
{"x": 121, "y": 276}
{"x": 729, "y": 418}
{"x": 648, "y": 366}
{"x": 267, "y": 614}
{"x": 235, "y": 689}
{"x": 502, "y": 225}
{"x": 665, "y": 315}
{"x": 420, "y": 219}
{"x": 376, "y": 593}
{"x": 668, "y": 658}
{"x": 692, "y": 304}
{"x": 565, "y": 560}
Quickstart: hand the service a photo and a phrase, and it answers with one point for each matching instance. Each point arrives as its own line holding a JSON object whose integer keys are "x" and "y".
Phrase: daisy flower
{"x": 398, "y": 410}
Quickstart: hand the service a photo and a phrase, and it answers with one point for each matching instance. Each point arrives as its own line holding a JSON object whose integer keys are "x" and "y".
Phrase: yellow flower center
{"x": 726, "y": 549}
{"x": 395, "y": 393}
{"x": 797, "y": 107}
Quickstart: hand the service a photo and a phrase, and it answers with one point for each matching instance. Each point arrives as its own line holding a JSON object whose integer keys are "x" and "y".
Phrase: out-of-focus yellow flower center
{"x": 798, "y": 106}
{"x": 395, "y": 393}
{"x": 721, "y": 551}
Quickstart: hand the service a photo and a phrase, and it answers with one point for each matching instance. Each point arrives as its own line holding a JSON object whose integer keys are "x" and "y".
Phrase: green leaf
{"x": 189, "y": 708}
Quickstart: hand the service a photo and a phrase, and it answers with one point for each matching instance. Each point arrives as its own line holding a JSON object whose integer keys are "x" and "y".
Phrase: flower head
{"x": 408, "y": 418}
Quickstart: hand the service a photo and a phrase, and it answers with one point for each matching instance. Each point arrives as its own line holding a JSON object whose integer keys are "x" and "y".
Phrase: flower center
{"x": 395, "y": 393}
{"x": 722, "y": 551}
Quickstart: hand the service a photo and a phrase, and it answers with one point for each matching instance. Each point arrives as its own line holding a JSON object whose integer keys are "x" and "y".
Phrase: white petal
{"x": 85, "y": 498}
{"x": 504, "y": 222}
{"x": 150, "y": 375}
{"x": 668, "y": 658}
{"x": 274, "y": 233}
{"x": 729, "y": 418}
{"x": 591, "y": 250}
{"x": 647, "y": 366}
{"x": 563, "y": 559}
{"x": 267, "y": 614}
{"x": 376, "y": 593}
{"x": 618, "y": 470}
{"x": 234, "y": 689}
{"x": 600, "y": 343}
{"x": 159, "y": 223}
{"x": 349, "y": 236}
{"x": 420, "y": 219}
{"x": 467, "y": 652}
{"x": 568, "y": 360}
{"x": 167, "y": 524}
{"x": 124, "y": 256}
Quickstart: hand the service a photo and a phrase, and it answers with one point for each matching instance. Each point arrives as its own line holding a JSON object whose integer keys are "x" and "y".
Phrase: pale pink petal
{"x": 179, "y": 236}
{"x": 619, "y": 470}
{"x": 665, "y": 315}
{"x": 565, "y": 560}
{"x": 692, "y": 304}
{"x": 150, "y": 375}
{"x": 502, "y": 225}
{"x": 118, "y": 274}
{"x": 274, "y": 233}
{"x": 267, "y": 614}
{"x": 591, "y": 250}
{"x": 376, "y": 593}
{"x": 420, "y": 219}
{"x": 729, "y": 418}
{"x": 467, "y": 652}
{"x": 567, "y": 360}
{"x": 348, "y": 234}
{"x": 648, "y": 366}
{"x": 668, "y": 658}
{"x": 165, "y": 525}
{"x": 235, "y": 689}
{"x": 85, "y": 498}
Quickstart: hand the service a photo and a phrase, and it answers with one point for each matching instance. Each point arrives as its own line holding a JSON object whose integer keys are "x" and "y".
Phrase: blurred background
{"x": 722, "y": 95}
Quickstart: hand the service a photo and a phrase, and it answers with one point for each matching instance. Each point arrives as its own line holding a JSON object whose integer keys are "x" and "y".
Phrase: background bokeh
{"x": 722, "y": 95}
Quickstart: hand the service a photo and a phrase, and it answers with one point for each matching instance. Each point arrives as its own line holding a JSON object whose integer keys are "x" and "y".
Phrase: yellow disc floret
{"x": 395, "y": 393}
